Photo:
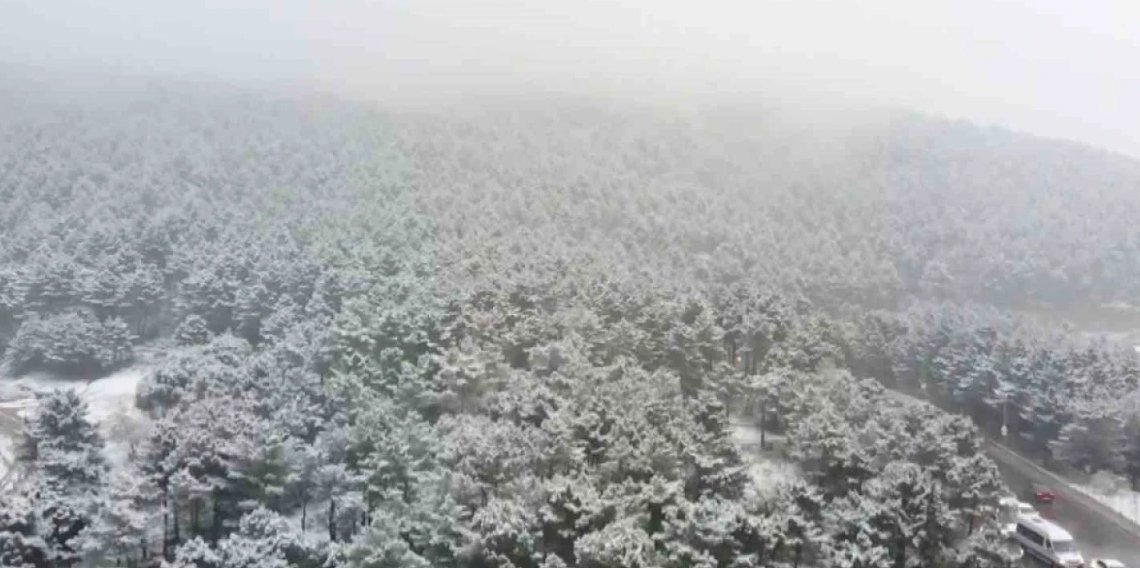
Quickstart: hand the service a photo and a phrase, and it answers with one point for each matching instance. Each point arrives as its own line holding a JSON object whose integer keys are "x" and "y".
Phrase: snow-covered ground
{"x": 1125, "y": 502}
{"x": 768, "y": 470}
{"x": 316, "y": 527}
{"x": 110, "y": 403}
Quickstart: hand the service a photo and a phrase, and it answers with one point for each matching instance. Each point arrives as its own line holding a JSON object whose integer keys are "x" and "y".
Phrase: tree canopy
{"x": 524, "y": 337}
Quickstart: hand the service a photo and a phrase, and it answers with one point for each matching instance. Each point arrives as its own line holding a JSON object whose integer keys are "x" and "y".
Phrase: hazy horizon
{"x": 1047, "y": 67}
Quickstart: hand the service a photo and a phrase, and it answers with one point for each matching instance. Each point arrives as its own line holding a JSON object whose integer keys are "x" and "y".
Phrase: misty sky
{"x": 1054, "y": 67}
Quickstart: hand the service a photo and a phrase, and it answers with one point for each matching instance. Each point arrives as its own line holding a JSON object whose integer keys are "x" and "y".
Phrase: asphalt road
{"x": 1098, "y": 531}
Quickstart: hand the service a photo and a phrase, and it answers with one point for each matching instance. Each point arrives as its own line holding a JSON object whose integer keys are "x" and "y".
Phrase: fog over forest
{"x": 588, "y": 284}
{"x": 1048, "y": 67}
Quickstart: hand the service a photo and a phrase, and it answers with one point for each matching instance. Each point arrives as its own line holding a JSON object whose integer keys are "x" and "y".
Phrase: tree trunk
{"x": 166, "y": 525}
{"x": 304, "y": 513}
{"x": 174, "y": 512}
{"x": 216, "y": 521}
{"x": 763, "y": 425}
{"x": 332, "y": 520}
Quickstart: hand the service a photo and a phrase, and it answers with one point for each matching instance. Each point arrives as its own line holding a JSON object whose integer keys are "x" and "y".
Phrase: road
{"x": 1099, "y": 532}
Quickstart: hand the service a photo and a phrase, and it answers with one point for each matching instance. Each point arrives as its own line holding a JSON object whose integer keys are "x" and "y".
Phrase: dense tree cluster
{"x": 539, "y": 429}
{"x": 1061, "y": 395}
{"x": 517, "y": 338}
{"x": 899, "y": 479}
{"x": 862, "y": 207}
{"x": 183, "y": 214}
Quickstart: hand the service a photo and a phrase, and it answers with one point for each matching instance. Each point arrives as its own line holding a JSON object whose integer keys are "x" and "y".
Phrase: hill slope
{"x": 843, "y": 207}
{"x": 479, "y": 337}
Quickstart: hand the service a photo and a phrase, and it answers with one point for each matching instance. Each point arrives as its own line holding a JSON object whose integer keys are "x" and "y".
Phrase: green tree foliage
{"x": 517, "y": 338}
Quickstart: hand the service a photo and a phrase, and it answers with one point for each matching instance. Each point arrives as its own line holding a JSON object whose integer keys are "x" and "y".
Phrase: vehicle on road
{"x": 1009, "y": 509}
{"x": 1026, "y": 510}
{"x": 1105, "y": 563}
{"x": 1042, "y": 493}
{"x": 1047, "y": 541}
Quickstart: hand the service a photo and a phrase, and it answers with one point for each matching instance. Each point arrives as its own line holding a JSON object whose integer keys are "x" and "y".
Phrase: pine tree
{"x": 59, "y": 440}
{"x": 124, "y": 528}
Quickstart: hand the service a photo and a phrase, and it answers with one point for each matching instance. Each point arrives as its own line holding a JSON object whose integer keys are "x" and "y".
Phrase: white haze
{"x": 1052, "y": 67}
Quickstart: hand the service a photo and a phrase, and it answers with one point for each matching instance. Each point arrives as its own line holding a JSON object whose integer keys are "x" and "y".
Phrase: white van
{"x": 1047, "y": 541}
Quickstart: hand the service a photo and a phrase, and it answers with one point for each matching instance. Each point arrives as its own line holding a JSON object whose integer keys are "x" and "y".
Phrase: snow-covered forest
{"x": 518, "y": 334}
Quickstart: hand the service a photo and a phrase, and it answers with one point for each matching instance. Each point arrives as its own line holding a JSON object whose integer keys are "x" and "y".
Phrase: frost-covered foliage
{"x": 900, "y": 476}
{"x": 864, "y": 209}
{"x": 263, "y": 539}
{"x": 45, "y": 517}
{"x": 197, "y": 212}
{"x": 72, "y": 343}
{"x": 511, "y": 340}
{"x": 1061, "y": 396}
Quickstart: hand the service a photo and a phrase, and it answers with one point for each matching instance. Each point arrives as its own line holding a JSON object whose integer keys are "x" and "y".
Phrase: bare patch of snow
{"x": 7, "y": 458}
{"x": 748, "y": 439}
{"x": 1121, "y": 306}
{"x": 771, "y": 475}
{"x": 316, "y": 529}
{"x": 105, "y": 395}
{"x": 111, "y": 404}
{"x": 769, "y": 471}
{"x": 1125, "y": 502}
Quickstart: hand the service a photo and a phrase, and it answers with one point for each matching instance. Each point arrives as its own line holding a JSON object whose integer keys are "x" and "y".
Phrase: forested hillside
{"x": 517, "y": 337}
{"x": 863, "y": 209}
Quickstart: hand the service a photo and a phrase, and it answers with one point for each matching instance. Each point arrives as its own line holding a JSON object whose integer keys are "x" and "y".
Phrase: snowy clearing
{"x": 110, "y": 401}
{"x": 768, "y": 470}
